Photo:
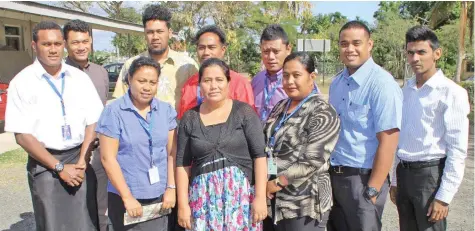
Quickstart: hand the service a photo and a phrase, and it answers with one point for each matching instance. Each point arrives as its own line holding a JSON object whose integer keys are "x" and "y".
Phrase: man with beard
{"x": 176, "y": 67}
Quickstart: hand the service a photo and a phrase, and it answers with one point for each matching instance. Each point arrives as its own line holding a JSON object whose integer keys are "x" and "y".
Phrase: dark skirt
{"x": 58, "y": 206}
{"x": 116, "y": 212}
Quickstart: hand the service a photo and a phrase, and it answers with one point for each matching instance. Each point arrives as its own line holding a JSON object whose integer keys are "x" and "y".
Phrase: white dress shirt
{"x": 34, "y": 107}
{"x": 435, "y": 126}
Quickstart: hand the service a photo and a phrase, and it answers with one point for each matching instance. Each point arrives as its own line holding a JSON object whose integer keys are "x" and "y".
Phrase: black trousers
{"x": 352, "y": 211}
{"x": 416, "y": 191}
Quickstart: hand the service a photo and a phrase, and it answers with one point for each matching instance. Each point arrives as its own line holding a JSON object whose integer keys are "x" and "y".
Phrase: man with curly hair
{"x": 176, "y": 67}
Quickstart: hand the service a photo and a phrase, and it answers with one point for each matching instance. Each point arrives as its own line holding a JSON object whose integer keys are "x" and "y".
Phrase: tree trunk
{"x": 461, "y": 43}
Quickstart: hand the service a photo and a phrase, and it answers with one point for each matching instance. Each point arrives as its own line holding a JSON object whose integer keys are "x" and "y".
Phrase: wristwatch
{"x": 58, "y": 167}
{"x": 371, "y": 192}
{"x": 171, "y": 186}
{"x": 277, "y": 182}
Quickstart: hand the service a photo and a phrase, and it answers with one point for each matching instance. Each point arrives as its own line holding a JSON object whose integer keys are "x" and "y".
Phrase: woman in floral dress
{"x": 224, "y": 189}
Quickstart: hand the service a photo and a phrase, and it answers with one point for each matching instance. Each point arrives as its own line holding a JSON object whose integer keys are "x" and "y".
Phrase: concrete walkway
{"x": 7, "y": 142}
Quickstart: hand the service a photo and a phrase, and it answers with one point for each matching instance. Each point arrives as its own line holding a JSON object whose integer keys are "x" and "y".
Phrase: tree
{"x": 128, "y": 45}
{"x": 76, "y": 5}
{"x": 440, "y": 14}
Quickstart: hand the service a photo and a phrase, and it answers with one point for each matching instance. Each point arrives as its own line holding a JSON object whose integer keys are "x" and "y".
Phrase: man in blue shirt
{"x": 369, "y": 103}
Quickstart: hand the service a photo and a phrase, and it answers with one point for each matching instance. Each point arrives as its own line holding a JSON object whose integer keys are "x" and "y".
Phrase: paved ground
{"x": 16, "y": 209}
{"x": 7, "y": 142}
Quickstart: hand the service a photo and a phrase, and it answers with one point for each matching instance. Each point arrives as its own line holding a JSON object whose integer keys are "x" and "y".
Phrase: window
{"x": 12, "y": 37}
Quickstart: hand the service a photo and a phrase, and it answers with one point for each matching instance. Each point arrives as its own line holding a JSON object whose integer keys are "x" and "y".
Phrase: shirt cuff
{"x": 444, "y": 195}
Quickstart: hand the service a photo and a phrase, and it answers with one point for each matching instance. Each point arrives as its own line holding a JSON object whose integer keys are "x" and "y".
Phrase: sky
{"x": 351, "y": 9}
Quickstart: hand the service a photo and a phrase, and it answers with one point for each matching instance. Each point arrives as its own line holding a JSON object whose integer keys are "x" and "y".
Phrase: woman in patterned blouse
{"x": 301, "y": 132}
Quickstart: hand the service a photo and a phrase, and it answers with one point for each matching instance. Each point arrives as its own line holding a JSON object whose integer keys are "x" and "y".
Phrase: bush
{"x": 468, "y": 85}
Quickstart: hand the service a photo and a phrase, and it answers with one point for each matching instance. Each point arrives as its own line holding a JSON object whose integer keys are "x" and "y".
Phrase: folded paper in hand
{"x": 149, "y": 212}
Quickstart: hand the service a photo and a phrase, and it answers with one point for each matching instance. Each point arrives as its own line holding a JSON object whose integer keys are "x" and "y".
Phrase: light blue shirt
{"x": 120, "y": 121}
{"x": 368, "y": 102}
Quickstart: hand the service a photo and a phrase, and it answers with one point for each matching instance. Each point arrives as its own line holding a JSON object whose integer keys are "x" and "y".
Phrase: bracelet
{"x": 171, "y": 186}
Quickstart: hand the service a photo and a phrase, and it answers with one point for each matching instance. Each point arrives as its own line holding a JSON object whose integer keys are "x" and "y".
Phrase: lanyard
{"x": 60, "y": 95}
{"x": 148, "y": 127}
{"x": 199, "y": 99}
{"x": 268, "y": 96}
{"x": 284, "y": 119}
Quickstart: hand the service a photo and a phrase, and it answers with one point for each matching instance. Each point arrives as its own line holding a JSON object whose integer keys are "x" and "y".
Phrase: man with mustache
{"x": 53, "y": 109}
{"x": 369, "y": 103}
{"x": 77, "y": 35}
{"x": 434, "y": 138}
{"x": 176, "y": 67}
{"x": 211, "y": 43}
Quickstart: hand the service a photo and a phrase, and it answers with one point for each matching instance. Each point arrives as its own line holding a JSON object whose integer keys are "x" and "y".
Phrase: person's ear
{"x": 437, "y": 54}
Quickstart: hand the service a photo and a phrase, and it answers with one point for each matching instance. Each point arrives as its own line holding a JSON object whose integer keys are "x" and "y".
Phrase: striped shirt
{"x": 435, "y": 126}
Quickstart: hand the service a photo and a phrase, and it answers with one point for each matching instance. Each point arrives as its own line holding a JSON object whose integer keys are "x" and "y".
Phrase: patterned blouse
{"x": 302, "y": 150}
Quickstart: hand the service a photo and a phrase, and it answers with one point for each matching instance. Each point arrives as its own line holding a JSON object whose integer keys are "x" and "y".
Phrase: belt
{"x": 421, "y": 164}
{"x": 349, "y": 171}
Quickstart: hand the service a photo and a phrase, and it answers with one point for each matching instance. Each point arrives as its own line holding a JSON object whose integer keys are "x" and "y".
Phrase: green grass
{"x": 17, "y": 156}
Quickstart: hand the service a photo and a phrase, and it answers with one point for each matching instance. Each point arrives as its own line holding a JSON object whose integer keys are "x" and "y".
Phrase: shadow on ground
{"x": 27, "y": 223}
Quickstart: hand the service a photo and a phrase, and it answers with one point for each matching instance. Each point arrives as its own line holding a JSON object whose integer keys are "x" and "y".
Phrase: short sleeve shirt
{"x": 120, "y": 120}
{"x": 368, "y": 102}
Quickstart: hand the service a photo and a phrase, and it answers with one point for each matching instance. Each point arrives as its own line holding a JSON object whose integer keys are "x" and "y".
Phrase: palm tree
{"x": 439, "y": 15}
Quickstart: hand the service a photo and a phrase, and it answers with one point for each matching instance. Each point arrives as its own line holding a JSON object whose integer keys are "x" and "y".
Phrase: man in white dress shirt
{"x": 433, "y": 141}
{"x": 52, "y": 109}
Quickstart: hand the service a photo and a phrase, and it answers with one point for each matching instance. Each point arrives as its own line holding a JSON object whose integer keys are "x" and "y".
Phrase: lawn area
{"x": 17, "y": 156}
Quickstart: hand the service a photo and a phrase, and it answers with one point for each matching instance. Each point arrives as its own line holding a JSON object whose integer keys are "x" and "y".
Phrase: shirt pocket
{"x": 359, "y": 115}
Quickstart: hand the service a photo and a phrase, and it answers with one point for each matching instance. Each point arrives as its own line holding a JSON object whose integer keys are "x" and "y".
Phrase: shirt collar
{"x": 433, "y": 82}
{"x": 362, "y": 73}
{"x": 172, "y": 57}
{"x": 127, "y": 103}
{"x": 76, "y": 65}
{"x": 40, "y": 71}
{"x": 276, "y": 76}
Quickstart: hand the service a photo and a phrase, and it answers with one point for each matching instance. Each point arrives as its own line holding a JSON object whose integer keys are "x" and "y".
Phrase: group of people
{"x": 224, "y": 153}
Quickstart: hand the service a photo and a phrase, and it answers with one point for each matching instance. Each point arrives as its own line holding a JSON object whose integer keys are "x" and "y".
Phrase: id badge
{"x": 153, "y": 175}
{"x": 66, "y": 131}
{"x": 271, "y": 166}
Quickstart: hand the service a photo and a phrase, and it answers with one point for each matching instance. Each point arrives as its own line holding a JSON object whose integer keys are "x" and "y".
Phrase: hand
{"x": 184, "y": 216}
{"x": 71, "y": 175}
{"x": 81, "y": 169}
{"x": 393, "y": 193}
{"x": 259, "y": 209}
{"x": 272, "y": 188}
{"x": 133, "y": 207}
{"x": 438, "y": 210}
{"x": 169, "y": 199}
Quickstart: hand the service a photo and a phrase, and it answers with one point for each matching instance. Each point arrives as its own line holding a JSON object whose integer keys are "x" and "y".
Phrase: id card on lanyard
{"x": 271, "y": 164}
{"x": 153, "y": 175}
{"x": 268, "y": 96}
{"x": 65, "y": 129}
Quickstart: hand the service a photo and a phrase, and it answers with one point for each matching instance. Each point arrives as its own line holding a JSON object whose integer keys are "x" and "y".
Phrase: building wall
{"x": 26, "y": 29}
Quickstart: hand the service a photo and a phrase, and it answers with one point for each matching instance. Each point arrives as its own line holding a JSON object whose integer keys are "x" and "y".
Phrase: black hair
{"x": 76, "y": 25}
{"x": 211, "y": 29}
{"x": 422, "y": 33}
{"x": 274, "y": 32}
{"x": 143, "y": 62}
{"x": 214, "y": 62}
{"x": 304, "y": 59}
{"x": 45, "y": 25}
{"x": 157, "y": 12}
{"x": 355, "y": 24}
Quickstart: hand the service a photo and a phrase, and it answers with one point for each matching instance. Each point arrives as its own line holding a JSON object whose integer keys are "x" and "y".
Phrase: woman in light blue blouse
{"x": 137, "y": 138}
